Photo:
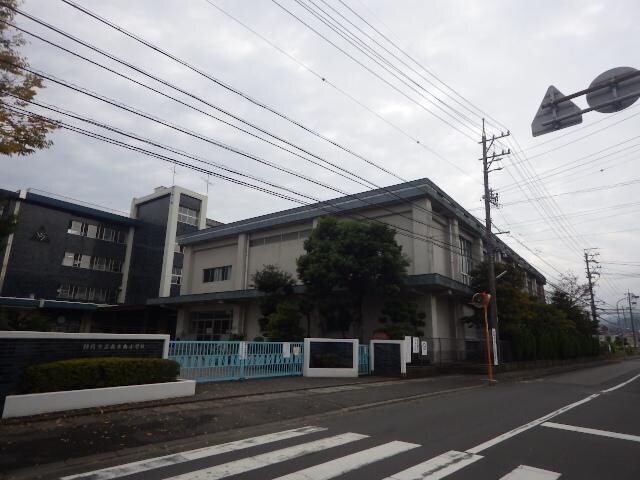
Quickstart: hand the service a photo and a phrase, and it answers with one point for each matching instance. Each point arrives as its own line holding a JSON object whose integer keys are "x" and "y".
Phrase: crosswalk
{"x": 219, "y": 465}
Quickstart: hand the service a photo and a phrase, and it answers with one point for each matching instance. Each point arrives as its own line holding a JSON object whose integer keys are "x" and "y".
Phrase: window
{"x": 211, "y": 325}
{"x": 107, "y": 234}
{"x": 217, "y": 274}
{"x": 77, "y": 260}
{"x": 188, "y": 216}
{"x": 74, "y": 227}
{"x": 68, "y": 258}
{"x": 91, "y": 294}
{"x": 466, "y": 260}
{"x": 98, "y": 263}
{"x": 176, "y": 275}
{"x": 177, "y": 248}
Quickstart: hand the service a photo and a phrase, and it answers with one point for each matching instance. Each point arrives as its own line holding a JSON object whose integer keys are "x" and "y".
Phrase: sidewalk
{"x": 217, "y": 407}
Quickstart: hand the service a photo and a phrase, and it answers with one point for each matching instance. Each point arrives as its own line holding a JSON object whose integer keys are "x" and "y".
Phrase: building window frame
{"x": 176, "y": 275}
{"x": 216, "y": 274}
{"x": 188, "y": 215}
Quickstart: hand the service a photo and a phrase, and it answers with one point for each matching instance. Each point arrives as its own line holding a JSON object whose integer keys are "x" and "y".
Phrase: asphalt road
{"x": 581, "y": 425}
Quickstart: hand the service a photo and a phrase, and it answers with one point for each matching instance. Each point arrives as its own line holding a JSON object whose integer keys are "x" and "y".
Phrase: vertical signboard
{"x": 495, "y": 346}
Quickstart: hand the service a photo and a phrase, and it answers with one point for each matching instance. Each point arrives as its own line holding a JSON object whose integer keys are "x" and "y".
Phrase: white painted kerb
{"x": 36, "y": 403}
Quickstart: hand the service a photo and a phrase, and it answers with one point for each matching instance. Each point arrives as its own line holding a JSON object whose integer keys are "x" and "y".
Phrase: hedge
{"x": 83, "y": 373}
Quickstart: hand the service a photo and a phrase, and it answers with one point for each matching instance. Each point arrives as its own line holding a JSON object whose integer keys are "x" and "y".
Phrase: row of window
{"x": 79, "y": 260}
{"x": 282, "y": 237}
{"x": 216, "y": 274}
{"x": 187, "y": 215}
{"x": 210, "y": 325}
{"x": 100, "y": 232}
{"x": 90, "y": 294}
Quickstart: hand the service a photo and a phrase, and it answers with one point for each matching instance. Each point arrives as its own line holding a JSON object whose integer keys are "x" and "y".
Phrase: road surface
{"x": 581, "y": 425}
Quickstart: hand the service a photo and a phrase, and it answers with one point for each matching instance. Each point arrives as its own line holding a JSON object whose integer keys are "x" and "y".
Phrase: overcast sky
{"x": 499, "y": 55}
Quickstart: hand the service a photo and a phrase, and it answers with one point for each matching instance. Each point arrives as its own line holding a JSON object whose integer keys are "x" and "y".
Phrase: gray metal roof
{"x": 350, "y": 204}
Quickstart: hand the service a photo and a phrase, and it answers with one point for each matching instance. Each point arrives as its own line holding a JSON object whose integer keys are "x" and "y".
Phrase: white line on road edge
{"x": 340, "y": 466}
{"x": 527, "y": 426}
{"x": 438, "y": 467}
{"x": 621, "y": 385}
{"x": 153, "y": 463}
{"x": 264, "y": 460}
{"x": 541, "y": 420}
{"x": 524, "y": 472}
{"x": 592, "y": 431}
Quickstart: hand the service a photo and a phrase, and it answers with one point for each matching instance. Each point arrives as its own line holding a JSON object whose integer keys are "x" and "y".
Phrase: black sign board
{"x": 387, "y": 359}
{"x": 331, "y": 354}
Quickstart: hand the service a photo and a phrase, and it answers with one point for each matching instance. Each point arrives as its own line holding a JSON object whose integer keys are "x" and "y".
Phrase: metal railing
{"x": 216, "y": 361}
{"x": 363, "y": 360}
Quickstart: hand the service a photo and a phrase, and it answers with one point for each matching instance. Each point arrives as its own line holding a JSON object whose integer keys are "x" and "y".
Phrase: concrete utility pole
{"x": 491, "y": 198}
{"x": 589, "y": 258}
{"x": 633, "y": 325}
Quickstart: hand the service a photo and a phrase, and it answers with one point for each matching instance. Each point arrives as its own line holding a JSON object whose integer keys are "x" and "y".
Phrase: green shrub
{"x": 83, "y": 373}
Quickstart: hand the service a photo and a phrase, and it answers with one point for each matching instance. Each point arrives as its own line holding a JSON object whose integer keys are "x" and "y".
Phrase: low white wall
{"x": 331, "y": 372}
{"x": 36, "y": 403}
{"x": 92, "y": 336}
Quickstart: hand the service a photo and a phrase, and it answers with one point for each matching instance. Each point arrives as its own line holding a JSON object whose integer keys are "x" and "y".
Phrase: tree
{"x": 30, "y": 320}
{"x": 20, "y": 134}
{"x": 276, "y": 286}
{"x": 7, "y": 221}
{"x": 345, "y": 262}
{"x": 400, "y": 317}
{"x": 284, "y": 323}
{"x": 572, "y": 298}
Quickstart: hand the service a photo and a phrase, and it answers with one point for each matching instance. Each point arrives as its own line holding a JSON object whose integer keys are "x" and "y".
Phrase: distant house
{"x": 442, "y": 240}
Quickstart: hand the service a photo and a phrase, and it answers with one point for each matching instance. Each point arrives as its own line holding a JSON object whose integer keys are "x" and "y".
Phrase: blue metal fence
{"x": 363, "y": 362}
{"x": 214, "y": 361}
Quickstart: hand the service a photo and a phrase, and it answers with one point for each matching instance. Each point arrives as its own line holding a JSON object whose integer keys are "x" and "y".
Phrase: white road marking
{"x": 263, "y": 460}
{"x": 345, "y": 464}
{"x": 153, "y": 463}
{"x": 438, "y": 467}
{"x": 524, "y": 472}
{"x": 621, "y": 385}
{"x": 593, "y": 431}
{"x": 527, "y": 426}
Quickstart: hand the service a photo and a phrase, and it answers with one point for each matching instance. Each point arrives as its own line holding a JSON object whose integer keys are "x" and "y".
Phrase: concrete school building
{"x": 217, "y": 299}
{"x": 88, "y": 269}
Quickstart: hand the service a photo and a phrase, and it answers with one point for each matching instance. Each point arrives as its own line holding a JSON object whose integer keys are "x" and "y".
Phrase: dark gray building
{"x": 88, "y": 269}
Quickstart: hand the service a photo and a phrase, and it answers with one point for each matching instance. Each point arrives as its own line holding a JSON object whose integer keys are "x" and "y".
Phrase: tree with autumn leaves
{"x": 20, "y": 134}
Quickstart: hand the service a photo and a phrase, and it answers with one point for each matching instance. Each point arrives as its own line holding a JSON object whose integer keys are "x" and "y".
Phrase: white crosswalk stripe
{"x": 259, "y": 461}
{"x": 438, "y": 467}
{"x": 166, "y": 460}
{"x": 340, "y": 466}
{"x": 524, "y": 472}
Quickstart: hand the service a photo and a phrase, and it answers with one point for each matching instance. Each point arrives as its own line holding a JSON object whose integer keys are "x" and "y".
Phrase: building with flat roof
{"x": 217, "y": 300}
{"x": 90, "y": 269}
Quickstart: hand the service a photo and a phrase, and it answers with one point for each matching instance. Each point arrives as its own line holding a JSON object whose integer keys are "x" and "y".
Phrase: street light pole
{"x": 633, "y": 325}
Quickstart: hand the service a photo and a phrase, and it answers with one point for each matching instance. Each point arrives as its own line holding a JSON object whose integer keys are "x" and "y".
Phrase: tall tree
{"x": 20, "y": 134}
{"x": 346, "y": 261}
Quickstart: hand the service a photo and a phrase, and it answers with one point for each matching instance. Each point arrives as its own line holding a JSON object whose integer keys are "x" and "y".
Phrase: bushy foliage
{"x": 284, "y": 323}
{"x": 346, "y": 261}
{"x": 83, "y": 373}
{"x": 400, "y": 317}
{"x": 276, "y": 285}
{"x": 558, "y": 330}
{"x": 24, "y": 320}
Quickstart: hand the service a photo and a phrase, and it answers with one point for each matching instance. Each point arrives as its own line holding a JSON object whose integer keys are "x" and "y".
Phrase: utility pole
{"x": 491, "y": 198}
{"x": 590, "y": 258}
{"x": 633, "y": 325}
